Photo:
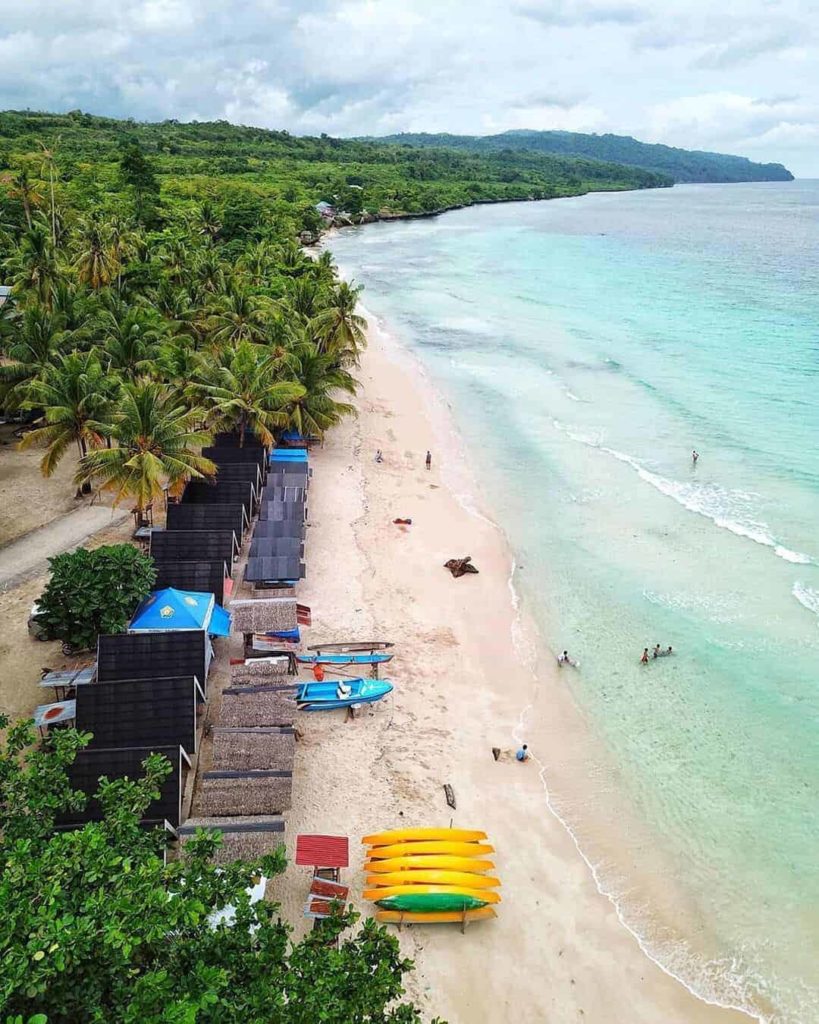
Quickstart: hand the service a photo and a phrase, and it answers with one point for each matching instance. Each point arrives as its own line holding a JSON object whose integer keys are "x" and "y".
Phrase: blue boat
{"x": 329, "y": 695}
{"x": 318, "y": 658}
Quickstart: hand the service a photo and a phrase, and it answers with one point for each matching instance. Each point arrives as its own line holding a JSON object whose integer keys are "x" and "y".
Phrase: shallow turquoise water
{"x": 587, "y": 346}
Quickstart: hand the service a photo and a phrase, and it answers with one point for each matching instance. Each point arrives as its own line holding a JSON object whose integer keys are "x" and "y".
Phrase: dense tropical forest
{"x": 682, "y": 165}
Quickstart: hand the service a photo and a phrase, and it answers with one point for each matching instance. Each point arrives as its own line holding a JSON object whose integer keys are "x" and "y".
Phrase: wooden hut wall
{"x": 246, "y": 706}
{"x": 117, "y": 763}
{"x": 194, "y": 545}
{"x": 206, "y": 577}
{"x": 148, "y": 655}
{"x": 208, "y": 517}
{"x": 242, "y": 838}
{"x": 257, "y": 792}
{"x": 265, "y": 615}
{"x": 251, "y": 749}
{"x": 137, "y": 712}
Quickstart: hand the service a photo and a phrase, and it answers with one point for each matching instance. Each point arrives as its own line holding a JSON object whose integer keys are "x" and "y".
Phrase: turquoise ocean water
{"x": 587, "y": 346}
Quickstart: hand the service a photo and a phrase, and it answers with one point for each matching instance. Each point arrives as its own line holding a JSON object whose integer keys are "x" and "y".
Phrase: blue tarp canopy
{"x": 172, "y": 609}
{"x": 289, "y": 455}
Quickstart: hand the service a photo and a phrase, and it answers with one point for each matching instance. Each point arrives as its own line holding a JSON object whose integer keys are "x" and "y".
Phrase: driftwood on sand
{"x": 460, "y": 566}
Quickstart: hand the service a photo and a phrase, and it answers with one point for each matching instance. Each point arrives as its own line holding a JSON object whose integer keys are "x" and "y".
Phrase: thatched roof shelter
{"x": 266, "y": 615}
{"x": 246, "y": 792}
{"x": 248, "y": 749}
{"x": 259, "y": 671}
{"x": 257, "y": 706}
{"x": 242, "y": 838}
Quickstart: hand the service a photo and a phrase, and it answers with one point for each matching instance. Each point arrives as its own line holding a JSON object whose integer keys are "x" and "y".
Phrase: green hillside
{"x": 683, "y": 165}
{"x": 286, "y": 174}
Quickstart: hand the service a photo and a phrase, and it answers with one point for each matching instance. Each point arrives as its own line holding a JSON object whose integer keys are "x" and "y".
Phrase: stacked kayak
{"x": 430, "y": 875}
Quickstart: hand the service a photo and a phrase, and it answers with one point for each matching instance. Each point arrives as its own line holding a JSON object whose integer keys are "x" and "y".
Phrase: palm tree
{"x": 338, "y": 329}
{"x": 36, "y": 346}
{"x": 206, "y": 221}
{"x": 122, "y": 245}
{"x": 155, "y": 440}
{"x": 304, "y": 297}
{"x": 237, "y": 315}
{"x": 95, "y": 263}
{"x": 209, "y": 272}
{"x": 321, "y": 378}
{"x": 292, "y": 262}
{"x": 50, "y": 165}
{"x": 23, "y": 188}
{"x": 33, "y": 266}
{"x": 257, "y": 263}
{"x": 76, "y": 395}
{"x": 246, "y": 389}
{"x": 129, "y": 340}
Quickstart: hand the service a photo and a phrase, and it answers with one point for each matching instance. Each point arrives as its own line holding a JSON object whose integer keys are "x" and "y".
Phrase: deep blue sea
{"x": 587, "y": 346}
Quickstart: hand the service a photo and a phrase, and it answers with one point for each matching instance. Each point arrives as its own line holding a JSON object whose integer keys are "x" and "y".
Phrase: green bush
{"x": 93, "y": 592}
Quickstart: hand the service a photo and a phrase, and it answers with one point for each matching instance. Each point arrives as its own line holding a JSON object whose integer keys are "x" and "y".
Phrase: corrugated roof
{"x": 323, "y": 851}
{"x": 227, "y": 492}
{"x": 150, "y": 655}
{"x": 207, "y": 576}
{"x": 207, "y": 517}
{"x": 183, "y": 545}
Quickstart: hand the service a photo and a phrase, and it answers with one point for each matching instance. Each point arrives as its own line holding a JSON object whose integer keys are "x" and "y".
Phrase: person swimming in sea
{"x": 644, "y": 658}
{"x": 656, "y": 652}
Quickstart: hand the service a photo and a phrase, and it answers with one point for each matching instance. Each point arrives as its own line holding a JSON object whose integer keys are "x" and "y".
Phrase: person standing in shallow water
{"x": 644, "y": 658}
{"x": 429, "y": 460}
{"x": 694, "y": 456}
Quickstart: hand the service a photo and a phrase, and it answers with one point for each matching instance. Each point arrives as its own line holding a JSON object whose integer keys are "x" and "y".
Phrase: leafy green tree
{"x": 338, "y": 328}
{"x": 95, "y": 925}
{"x": 323, "y": 381}
{"x": 93, "y": 592}
{"x": 20, "y": 186}
{"x": 33, "y": 266}
{"x": 95, "y": 263}
{"x": 76, "y": 395}
{"x": 246, "y": 389}
{"x": 155, "y": 446}
{"x": 36, "y": 345}
{"x": 138, "y": 174}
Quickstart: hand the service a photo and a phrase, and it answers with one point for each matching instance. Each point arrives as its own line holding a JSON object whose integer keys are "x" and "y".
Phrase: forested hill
{"x": 284, "y": 176}
{"x": 683, "y": 165}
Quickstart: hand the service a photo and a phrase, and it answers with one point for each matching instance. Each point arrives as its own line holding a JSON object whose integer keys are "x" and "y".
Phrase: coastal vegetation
{"x": 681, "y": 165}
{"x": 95, "y": 925}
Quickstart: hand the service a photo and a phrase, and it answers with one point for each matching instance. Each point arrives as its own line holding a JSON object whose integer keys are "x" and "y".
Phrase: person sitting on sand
{"x": 523, "y": 753}
{"x": 644, "y": 658}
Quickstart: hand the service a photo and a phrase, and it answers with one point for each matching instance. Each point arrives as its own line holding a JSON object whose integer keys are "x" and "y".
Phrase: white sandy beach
{"x": 557, "y": 951}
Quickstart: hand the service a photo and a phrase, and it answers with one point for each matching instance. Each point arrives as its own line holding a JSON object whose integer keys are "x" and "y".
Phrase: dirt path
{"x": 28, "y": 554}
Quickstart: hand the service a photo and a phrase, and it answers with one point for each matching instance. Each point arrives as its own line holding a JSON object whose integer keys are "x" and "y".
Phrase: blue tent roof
{"x": 219, "y": 624}
{"x": 172, "y": 609}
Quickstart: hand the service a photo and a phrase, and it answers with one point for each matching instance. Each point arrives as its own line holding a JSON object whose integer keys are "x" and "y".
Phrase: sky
{"x": 737, "y": 76}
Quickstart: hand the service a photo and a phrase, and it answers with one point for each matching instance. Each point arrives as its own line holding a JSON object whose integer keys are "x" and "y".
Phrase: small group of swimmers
{"x": 658, "y": 652}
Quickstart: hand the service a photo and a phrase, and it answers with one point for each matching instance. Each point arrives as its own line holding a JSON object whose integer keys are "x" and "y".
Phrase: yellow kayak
{"x": 434, "y": 878}
{"x": 381, "y": 893}
{"x": 441, "y": 861}
{"x": 411, "y": 835}
{"x": 435, "y": 917}
{"x": 453, "y": 849}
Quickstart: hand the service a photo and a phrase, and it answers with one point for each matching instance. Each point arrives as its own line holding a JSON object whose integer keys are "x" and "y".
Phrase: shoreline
{"x": 559, "y": 945}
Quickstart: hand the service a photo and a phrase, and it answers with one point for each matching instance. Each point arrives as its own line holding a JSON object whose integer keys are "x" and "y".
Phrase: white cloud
{"x": 685, "y": 73}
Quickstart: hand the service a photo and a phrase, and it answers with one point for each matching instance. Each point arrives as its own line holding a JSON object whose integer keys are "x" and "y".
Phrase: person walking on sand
{"x": 523, "y": 753}
{"x": 378, "y": 456}
{"x": 429, "y": 460}
{"x": 644, "y": 658}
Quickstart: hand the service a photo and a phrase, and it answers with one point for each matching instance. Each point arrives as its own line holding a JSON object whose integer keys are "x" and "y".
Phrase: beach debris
{"x": 402, "y": 522}
{"x": 496, "y": 753}
{"x": 460, "y": 566}
{"x": 450, "y": 795}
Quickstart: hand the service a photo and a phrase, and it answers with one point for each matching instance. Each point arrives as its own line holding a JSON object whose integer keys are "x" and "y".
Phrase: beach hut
{"x": 242, "y": 471}
{"x": 282, "y": 510}
{"x": 279, "y": 528}
{"x": 194, "y": 545}
{"x": 242, "y": 838}
{"x": 167, "y": 654}
{"x": 273, "y": 547}
{"x": 208, "y": 577}
{"x": 287, "y": 568}
{"x": 233, "y": 439}
{"x": 226, "y": 492}
{"x": 246, "y": 792}
{"x": 225, "y": 456}
{"x": 207, "y": 517}
{"x": 172, "y": 609}
{"x": 250, "y": 748}
{"x": 258, "y": 671}
{"x": 126, "y": 762}
{"x": 139, "y": 712}
{"x": 264, "y": 616}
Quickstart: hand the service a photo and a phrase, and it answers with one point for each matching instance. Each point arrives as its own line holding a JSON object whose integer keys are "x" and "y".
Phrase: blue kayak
{"x": 327, "y": 696}
{"x": 343, "y": 659}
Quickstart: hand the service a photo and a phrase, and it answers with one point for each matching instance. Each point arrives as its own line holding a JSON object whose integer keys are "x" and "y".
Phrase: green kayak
{"x": 430, "y": 902}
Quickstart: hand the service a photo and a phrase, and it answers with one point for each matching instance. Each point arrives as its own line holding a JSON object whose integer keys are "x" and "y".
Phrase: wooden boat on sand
{"x": 341, "y": 693}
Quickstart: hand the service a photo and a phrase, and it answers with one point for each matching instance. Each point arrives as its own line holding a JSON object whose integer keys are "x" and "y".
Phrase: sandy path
{"x": 28, "y": 554}
{"x": 557, "y": 951}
